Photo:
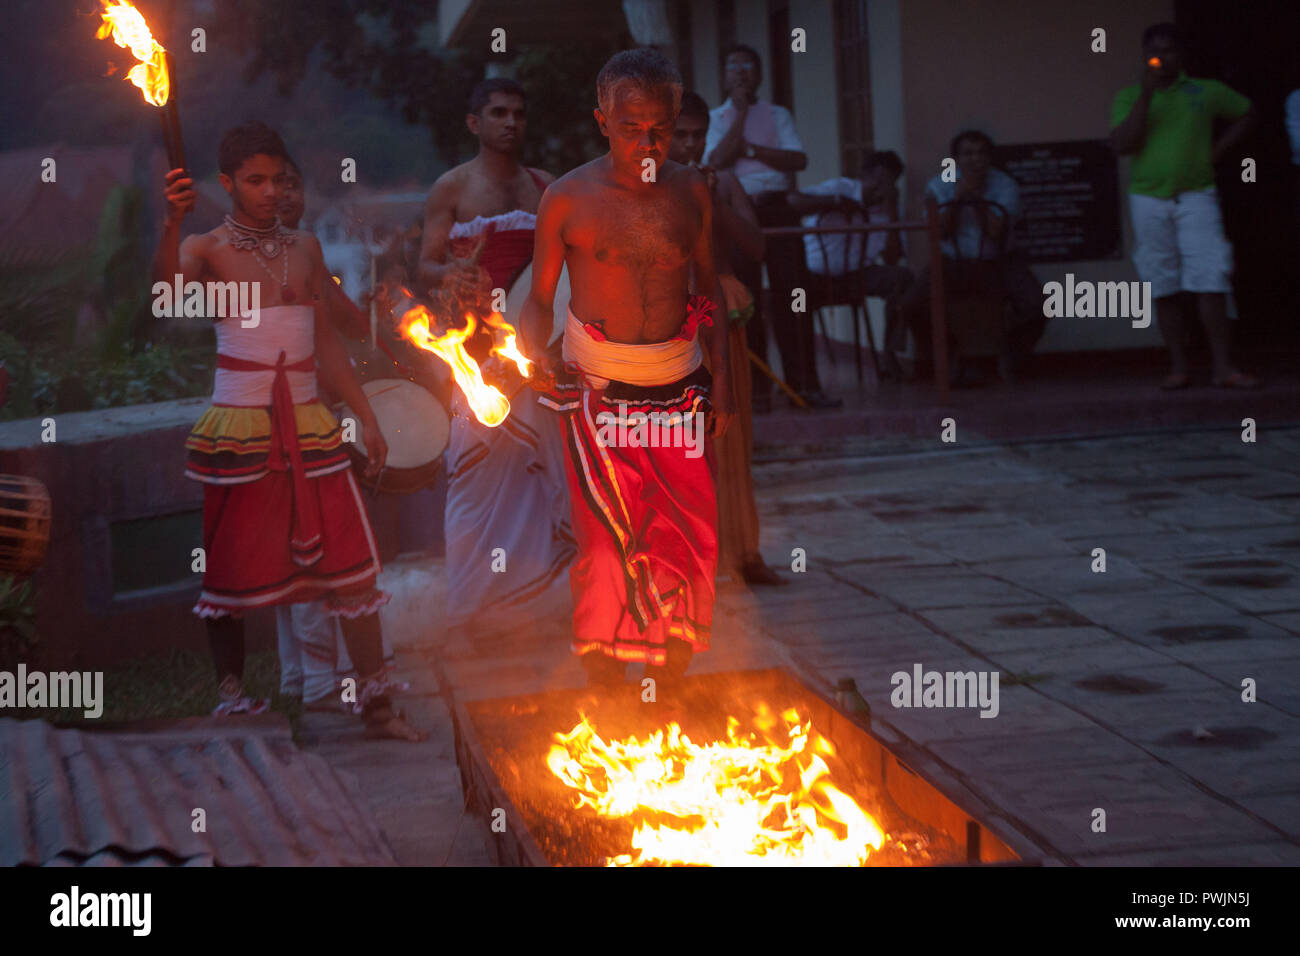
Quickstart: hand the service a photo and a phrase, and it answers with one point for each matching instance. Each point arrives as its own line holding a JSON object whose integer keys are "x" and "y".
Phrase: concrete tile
{"x": 1016, "y": 628}
{"x": 1277, "y": 682}
{"x": 1282, "y": 810}
{"x": 1079, "y": 661}
{"x": 1245, "y": 651}
{"x": 1170, "y": 822}
{"x": 811, "y": 610}
{"x": 1274, "y": 853}
{"x": 1134, "y": 613}
{"x": 876, "y": 628}
{"x": 1068, "y": 751}
{"x": 1290, "y": 620}
{"x": 978, "y": 545}
{"x": 941, "y": 587}
{"x": 1021, "y": 711}
{"x": 1217, "y": 511}
{"x": 807, "y": 587}
{"x": 1269, "y": 772}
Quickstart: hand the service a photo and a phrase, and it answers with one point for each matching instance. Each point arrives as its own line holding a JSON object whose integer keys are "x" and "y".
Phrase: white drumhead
{"x": 519, "y": 292}
{"x": 414, "y": 424}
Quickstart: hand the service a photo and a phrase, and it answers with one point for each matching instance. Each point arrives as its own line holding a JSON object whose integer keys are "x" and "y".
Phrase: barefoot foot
{"x": 392, "y": 725}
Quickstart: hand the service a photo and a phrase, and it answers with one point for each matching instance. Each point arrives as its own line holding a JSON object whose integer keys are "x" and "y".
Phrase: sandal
{"x": 241, "y": 705}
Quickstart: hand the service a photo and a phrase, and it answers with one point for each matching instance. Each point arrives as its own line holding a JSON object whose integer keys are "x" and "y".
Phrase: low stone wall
{"x": 106, "y": 469}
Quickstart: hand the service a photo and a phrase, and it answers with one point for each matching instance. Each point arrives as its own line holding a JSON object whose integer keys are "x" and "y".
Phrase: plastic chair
{"x": 849, "y": 289}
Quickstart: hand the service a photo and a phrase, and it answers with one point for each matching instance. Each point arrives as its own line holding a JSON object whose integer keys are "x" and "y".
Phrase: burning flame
{"x": 726, "y": 803}
{"x": 127, "y": 26}
{"x": 508, "y": 349}
{"x": 489, "y": 405}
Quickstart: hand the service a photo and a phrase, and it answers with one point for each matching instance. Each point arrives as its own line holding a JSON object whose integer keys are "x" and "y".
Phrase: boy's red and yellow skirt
{"x": 283, "y": 519}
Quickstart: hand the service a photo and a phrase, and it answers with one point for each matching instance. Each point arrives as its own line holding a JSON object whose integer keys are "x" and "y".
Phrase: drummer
{"x": 507, "y": 514}
{"x": 313, "y": 654}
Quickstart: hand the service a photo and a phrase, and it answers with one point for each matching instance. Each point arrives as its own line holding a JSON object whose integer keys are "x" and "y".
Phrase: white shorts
{"x": 1180, "y": 243}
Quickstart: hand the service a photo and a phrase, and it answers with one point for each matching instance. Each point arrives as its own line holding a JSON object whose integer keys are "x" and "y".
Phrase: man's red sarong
{"x": 645, "y": 520}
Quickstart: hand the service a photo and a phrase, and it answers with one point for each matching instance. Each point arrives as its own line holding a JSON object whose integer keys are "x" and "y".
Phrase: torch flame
{"x": 489, "y": 405}
{"x": 509, "y": 349}
{"x": 726, "y": 803}
{"x": 127, "y": 26}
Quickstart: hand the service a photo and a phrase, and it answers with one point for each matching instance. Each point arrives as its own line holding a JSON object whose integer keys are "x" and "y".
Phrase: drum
{"x": 416, "y": 428}
{"x": 519, "y": 292}
{"x": 24, "y": 523}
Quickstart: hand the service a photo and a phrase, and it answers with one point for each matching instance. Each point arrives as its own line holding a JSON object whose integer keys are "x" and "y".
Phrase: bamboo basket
{"x": 24, "y": 523}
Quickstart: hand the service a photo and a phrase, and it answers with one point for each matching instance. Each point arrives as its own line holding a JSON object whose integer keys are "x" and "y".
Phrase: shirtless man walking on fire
{"x": 635, "y": 232}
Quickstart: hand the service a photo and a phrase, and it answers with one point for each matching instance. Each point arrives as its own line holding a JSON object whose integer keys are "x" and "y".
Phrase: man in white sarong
{"x": 509, "y": 543}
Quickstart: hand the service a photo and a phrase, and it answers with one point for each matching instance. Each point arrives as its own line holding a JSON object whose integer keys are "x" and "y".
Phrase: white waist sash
{"x": 290, "y": 328}
{"x": 654, "y": 363}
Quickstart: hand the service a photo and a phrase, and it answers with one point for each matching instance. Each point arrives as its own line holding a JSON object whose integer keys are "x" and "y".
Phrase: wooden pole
{"x": 767, "y": 370}
{"x": 938, "y": 306}
{"x": 374, "y": 314}
{"x": 172, "y": 120}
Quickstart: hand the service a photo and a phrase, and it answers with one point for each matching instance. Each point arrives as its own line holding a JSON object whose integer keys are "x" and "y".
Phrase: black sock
{"x": 226, "y": 640}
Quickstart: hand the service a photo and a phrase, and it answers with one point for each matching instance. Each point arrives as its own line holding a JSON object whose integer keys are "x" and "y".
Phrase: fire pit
{"x": 581, "y": 779}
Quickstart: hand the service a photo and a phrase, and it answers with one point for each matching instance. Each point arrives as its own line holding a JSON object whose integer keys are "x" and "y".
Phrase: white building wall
{"x": 1022, "y": 72}
{"x": 704, "y": 52}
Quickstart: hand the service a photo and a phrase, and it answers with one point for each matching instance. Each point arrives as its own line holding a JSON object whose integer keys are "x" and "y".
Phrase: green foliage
{"x": 58, "y": 368}
{"x": 387, "y": 48}
{"x": 17, "y": 620}
{"x": 168, "y": 686}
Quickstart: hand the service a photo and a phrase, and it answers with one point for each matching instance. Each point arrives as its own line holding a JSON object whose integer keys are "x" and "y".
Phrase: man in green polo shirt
{"x": 1166, "y": 123}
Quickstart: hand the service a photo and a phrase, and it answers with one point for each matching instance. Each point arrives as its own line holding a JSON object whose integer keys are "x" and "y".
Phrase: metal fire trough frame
{"x": 857, "y": 745}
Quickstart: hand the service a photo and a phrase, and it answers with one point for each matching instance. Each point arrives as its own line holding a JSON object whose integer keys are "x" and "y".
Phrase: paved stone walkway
{"x": 1119, "y": 690}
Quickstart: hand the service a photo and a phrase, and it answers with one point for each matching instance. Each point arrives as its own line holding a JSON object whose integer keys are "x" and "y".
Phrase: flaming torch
{"x": 490, "y": 406}
{"x": 419, "y": 325}
{"x": 152, "y": 73}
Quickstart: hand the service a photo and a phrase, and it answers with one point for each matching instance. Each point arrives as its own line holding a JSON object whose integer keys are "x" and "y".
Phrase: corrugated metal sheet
{"x": 113, "y": 799}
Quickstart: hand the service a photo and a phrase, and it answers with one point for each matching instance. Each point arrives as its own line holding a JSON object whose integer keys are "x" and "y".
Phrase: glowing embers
{"x": 733, "y": 802}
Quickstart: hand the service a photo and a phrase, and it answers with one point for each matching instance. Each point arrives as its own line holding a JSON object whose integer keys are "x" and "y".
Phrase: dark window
{"x": 726, "y": 37}
{"x": 682, "y": 44}
{"x": 778, "y": 56}
{"x": 153, "y": 552}
{"x": 853, "y": 84}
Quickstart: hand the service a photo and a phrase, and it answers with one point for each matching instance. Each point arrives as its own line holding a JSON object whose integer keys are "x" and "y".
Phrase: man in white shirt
{"x": 756, "y": 140}
{"x": 871, "y": 198}
{"x": 975, "y": 247}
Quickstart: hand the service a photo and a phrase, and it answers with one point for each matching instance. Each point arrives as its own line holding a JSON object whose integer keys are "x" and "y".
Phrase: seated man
{"x": 877, "y": 192}
{"x": 973, "y": 240}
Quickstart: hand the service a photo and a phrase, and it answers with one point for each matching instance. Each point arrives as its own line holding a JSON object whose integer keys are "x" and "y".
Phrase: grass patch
{"x": 179, "y": 684}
